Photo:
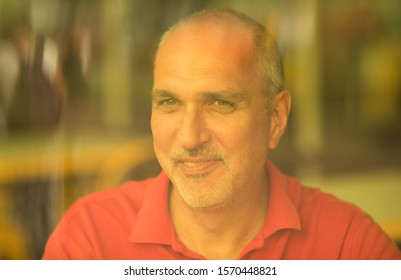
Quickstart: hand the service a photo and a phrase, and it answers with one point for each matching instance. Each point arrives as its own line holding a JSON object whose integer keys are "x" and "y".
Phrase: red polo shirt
{"x": 133, "y": 222}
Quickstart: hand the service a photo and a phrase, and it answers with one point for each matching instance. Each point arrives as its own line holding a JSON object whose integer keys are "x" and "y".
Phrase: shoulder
{"x": 342, "y": 226}
{"x": 315, "y": 200}
{"x": 318, "y": 208}
{"x": 99, "y": 219}
{"x": 125, "y": 200}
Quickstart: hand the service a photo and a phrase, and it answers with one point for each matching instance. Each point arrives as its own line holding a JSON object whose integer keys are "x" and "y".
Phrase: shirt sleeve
{"x": 71, "y": 239}
{"x": 365, "y": 240}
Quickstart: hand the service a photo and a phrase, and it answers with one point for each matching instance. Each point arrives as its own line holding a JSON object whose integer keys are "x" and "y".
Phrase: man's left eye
{"x": 222, "y": 103}
{"x": 223, "y": 106}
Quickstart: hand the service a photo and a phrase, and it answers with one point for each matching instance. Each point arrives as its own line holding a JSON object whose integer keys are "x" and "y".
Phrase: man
{"x": 218, "y": 107}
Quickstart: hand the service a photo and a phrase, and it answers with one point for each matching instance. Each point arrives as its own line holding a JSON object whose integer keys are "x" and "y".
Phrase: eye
{"x": 223, "y": 106}
{"x": 168, "y": 105}
{"x": 222, "y": 103}
{"x": 167, "y": 102}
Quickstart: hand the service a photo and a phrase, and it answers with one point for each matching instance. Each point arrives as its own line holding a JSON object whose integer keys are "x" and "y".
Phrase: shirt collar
{"x": 282, "y": 209}
{"x": 153, "y": 223}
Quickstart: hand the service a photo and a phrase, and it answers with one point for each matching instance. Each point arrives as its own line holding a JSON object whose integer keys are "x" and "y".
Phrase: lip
{"x": 198, "y": 166}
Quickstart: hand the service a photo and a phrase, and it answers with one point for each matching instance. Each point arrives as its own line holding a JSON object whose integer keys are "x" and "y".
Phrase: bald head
{"x": 238, "y": 32}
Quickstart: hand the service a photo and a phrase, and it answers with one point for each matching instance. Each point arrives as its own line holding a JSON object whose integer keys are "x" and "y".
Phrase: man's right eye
{"x": 167, "y": 102}
{"x": 168, "y": 105}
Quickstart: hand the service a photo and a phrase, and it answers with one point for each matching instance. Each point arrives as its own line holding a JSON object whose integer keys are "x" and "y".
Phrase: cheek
{"x": 162, "y": 134}
{"x": 247, "y": 129}
{"x": 245, "y": 140}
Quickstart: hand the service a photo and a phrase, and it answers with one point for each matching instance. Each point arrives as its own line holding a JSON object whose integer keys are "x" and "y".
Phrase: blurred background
{"x": 75, "y": 78}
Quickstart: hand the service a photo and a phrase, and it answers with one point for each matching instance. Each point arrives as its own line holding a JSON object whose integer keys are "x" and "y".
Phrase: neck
{"x": 220, "y": 232}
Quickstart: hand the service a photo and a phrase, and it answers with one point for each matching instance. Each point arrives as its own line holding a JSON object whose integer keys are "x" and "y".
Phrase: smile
{"x": 198, "y": 166}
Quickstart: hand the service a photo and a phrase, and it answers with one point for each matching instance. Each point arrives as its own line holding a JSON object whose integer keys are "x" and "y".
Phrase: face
{"x": 209, "y": 122}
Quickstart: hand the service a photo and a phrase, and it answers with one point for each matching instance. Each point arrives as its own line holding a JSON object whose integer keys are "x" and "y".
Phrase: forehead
{"x": 200, "y": 55}
{"x": 201, "y": 44}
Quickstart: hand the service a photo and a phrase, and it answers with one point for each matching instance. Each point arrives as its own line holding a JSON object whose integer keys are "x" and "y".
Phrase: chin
{"x": 199, "y": 194}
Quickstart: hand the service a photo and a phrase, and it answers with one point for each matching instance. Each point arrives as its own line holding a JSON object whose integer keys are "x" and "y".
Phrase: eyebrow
{"x": 161, "y": 93}
{"x": 225, "y": 94}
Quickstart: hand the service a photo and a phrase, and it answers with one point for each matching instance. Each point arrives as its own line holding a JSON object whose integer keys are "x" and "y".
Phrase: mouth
{"x": 198, "y": 166}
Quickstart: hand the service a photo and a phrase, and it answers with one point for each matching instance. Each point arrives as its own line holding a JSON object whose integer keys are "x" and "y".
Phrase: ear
{"x": 279, "y": 117}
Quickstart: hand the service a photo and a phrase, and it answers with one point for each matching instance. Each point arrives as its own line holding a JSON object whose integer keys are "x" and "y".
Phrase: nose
{"x": 192, "y": 131}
